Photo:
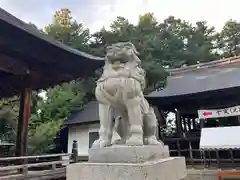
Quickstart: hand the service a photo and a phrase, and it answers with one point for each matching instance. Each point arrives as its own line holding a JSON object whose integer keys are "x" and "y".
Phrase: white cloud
{"x": 98, "y": 13}
{"x": 215, "y": 12}
{"x": 125, "y": 8}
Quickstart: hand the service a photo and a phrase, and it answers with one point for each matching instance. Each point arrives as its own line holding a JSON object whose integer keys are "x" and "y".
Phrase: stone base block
{"x": 170, "y": 168}
{"x": 128, "y": 154}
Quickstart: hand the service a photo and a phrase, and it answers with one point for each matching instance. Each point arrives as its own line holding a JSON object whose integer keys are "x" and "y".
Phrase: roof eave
{"x": 216, "y": 63}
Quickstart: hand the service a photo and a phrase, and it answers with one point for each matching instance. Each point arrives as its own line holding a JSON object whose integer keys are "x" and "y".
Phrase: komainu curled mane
{"x": 124, "y": 67}
{"x": 120, "y": 91}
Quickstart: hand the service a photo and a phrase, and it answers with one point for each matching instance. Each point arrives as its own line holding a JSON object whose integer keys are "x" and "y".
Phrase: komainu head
{"x": 122, "y": 52}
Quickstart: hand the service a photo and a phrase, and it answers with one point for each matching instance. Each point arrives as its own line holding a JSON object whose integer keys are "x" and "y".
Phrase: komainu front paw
{"x": 152, "y": 140}
{"x": 135, "y": 140}
{"x": 119, "y": 142}
{"x": 100, "y": 143}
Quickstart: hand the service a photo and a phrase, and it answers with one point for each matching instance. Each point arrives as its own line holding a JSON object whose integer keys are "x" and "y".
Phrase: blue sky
{"x": 97, "y": 13}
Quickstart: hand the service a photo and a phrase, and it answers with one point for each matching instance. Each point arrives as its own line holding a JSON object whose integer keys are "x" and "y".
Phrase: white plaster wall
{"x": 80, "y": 133}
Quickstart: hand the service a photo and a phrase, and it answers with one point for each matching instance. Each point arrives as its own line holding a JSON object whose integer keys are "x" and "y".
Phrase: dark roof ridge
{"x": 216, "y": 63}
{"x": 17, "y": 23}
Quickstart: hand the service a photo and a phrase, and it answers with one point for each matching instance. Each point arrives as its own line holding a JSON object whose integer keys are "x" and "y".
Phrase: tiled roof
{"x": 212, "y": 64}
{"x": 88, "y": 114}
{"x": 220, "y": 74}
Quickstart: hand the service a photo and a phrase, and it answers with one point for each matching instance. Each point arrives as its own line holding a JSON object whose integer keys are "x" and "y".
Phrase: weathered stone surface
{"x": 171, "y": 168}
{"x": 119, "y": 92}
{"x": 128, "y": 154}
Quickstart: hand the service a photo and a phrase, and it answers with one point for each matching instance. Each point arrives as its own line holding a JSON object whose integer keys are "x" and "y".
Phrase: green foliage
{"x": 50, "y": 114}
{"x": 41, "y": 138}
{"x": 72, "y": 33}
{"x": 229, "y": 40}
{"x": 171, "y": 43}
{"x": 8, "y": 119}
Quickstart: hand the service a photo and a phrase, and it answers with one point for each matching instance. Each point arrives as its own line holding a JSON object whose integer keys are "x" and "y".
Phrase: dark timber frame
{"x": 221, "y": 91}
{"x": 30, "y": 60}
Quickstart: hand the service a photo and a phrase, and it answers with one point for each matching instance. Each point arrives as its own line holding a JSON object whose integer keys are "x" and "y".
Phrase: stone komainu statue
{"x": 119, "y": 92}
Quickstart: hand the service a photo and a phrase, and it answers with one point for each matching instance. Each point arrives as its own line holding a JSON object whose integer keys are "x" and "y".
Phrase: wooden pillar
{"x": 184, "y": 124}
{"x": 22, "y": 129}
{"x": 194, "y": 123}
{"x": 238, "y": 118}
{"x": 159, "y": 132}
{"x": 189, "y": 124}
{"x": 178, "y": 123}
{"x": 201, "y": 123}
{"x": 161, "y": 122}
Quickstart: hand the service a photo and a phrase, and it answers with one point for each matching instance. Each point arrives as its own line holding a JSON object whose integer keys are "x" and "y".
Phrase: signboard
{"x": 220, "y": 138}
{"x": 217, "y": 113}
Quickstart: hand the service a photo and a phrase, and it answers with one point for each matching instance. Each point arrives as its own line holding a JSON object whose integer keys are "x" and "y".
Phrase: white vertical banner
{"x": 217, "y": 113}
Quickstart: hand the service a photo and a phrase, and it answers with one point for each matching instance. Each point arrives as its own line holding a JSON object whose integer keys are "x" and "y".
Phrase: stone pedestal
{"x": 129, "y": 163}
{"x": 128, "y": 154}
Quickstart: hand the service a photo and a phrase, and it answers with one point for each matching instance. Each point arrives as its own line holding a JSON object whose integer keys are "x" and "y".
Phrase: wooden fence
{"x": 34, "y": 167}
{"x": 42, "y": 167}
{"x": 189, "y": 148}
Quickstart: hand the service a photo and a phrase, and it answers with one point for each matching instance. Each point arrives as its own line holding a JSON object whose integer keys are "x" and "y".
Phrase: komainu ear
{"x": 131, "y": 45}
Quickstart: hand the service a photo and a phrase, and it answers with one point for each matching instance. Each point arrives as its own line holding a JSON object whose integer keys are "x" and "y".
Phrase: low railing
{"x": 31, "y": 167}
{"x": 196, "y": 158}
{"x": 51, "y": 166}
{"x": 209, "y": 159}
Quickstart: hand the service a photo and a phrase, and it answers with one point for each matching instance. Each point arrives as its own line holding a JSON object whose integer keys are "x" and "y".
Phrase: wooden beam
{"x": 13, "y": 66}
{"x": 35, "y": 70}
{"x": 11, "y": 85}
{"x": 22, "y": 131}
